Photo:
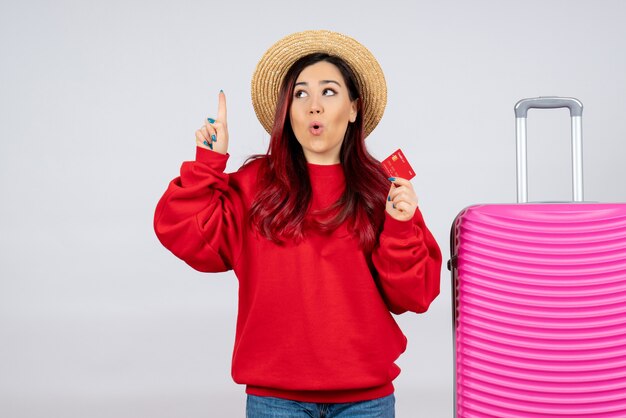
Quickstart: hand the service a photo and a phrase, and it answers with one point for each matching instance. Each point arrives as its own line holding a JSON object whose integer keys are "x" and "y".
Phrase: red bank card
{"x": 396, "y": 165}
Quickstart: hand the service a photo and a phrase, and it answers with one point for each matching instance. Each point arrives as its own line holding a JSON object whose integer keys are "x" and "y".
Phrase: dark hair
{"x": 279, "y": 208}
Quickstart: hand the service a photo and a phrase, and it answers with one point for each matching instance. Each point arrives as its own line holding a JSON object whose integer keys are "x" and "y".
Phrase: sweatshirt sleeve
{"x": 200, "y": 216}
{"x": 408, "y": 262}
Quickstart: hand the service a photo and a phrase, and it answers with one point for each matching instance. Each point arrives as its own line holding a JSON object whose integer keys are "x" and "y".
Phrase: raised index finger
{"x": 221, "y": 107}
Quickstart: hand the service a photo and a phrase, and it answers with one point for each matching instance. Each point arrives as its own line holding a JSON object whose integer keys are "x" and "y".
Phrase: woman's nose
{"x": 316, "y": 106}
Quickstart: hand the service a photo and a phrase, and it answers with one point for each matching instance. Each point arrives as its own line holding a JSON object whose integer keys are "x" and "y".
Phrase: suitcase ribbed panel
{"x": 540, "y": 311}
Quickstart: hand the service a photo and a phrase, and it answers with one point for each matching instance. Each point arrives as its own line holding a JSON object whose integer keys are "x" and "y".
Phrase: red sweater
{"x": 314, "y": 321}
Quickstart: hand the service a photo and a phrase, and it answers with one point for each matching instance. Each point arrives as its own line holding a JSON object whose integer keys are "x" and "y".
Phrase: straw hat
{"x": 273, "y": 66}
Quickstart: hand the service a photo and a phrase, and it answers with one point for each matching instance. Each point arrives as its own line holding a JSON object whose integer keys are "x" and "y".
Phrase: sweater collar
{"x": 318, "y": 170}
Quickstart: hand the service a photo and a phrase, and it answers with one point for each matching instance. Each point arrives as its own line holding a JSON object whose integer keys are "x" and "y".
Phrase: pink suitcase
{"x": 539, "y": 299}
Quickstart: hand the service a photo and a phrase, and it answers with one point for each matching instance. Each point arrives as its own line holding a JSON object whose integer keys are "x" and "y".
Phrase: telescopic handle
{"x": 521, "y": 112}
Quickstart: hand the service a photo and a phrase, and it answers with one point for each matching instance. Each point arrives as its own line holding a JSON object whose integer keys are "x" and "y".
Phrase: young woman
{"x": 324, "y": 246}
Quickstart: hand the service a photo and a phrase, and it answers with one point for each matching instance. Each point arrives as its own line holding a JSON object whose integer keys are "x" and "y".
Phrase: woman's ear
{"x": 353, "y": 110}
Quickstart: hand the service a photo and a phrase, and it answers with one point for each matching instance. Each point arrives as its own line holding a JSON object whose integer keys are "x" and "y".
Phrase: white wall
{"x": 99, "y": 102}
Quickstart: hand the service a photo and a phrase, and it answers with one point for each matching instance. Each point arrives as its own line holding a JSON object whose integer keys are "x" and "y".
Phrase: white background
{"x": 99, "y": 102}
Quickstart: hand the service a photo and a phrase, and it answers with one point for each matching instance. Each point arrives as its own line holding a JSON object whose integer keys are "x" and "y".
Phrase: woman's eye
{"x": 300, "y": 93}
{"x": 329, "y": 92}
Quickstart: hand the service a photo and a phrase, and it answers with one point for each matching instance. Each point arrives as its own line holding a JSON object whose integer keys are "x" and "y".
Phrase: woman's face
{"x": 320, "y": 112}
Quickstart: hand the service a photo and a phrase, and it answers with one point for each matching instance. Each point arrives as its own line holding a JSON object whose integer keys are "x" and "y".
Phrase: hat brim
{"x": 275, "y": 63}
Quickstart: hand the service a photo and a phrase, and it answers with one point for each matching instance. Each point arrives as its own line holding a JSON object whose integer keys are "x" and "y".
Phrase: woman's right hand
{"x": 214, "y": 135}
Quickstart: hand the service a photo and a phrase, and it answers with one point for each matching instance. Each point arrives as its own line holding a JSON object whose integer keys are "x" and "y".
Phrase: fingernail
{"x": 221, "y": 91}
{"x": 210, "y": 145}
{"x": 391, "y": 179}
{"x": 206, "y": 143}
{"x": 393, "y": 205}
{"x": 388, "y": 198}
{"x": 211, "y": 120}
{"x": 213, "y": 138}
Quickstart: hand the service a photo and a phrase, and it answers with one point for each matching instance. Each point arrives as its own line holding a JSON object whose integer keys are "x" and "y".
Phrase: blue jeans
{"x": 268, "y": 407}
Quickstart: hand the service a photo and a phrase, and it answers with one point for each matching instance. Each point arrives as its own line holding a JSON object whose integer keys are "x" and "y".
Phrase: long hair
{"x": 279, "y": 209}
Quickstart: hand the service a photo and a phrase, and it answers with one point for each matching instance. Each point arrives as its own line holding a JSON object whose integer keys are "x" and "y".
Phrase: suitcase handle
{"x": 521, "y": 112}
{"x": 574, "y": 105}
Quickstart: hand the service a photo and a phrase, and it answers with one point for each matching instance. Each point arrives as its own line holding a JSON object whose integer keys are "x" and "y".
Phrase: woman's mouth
{"x": 316, "y": 128}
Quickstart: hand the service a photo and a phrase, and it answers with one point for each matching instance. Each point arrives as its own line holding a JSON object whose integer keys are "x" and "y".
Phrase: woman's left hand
{"x": 402, "y": 200}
